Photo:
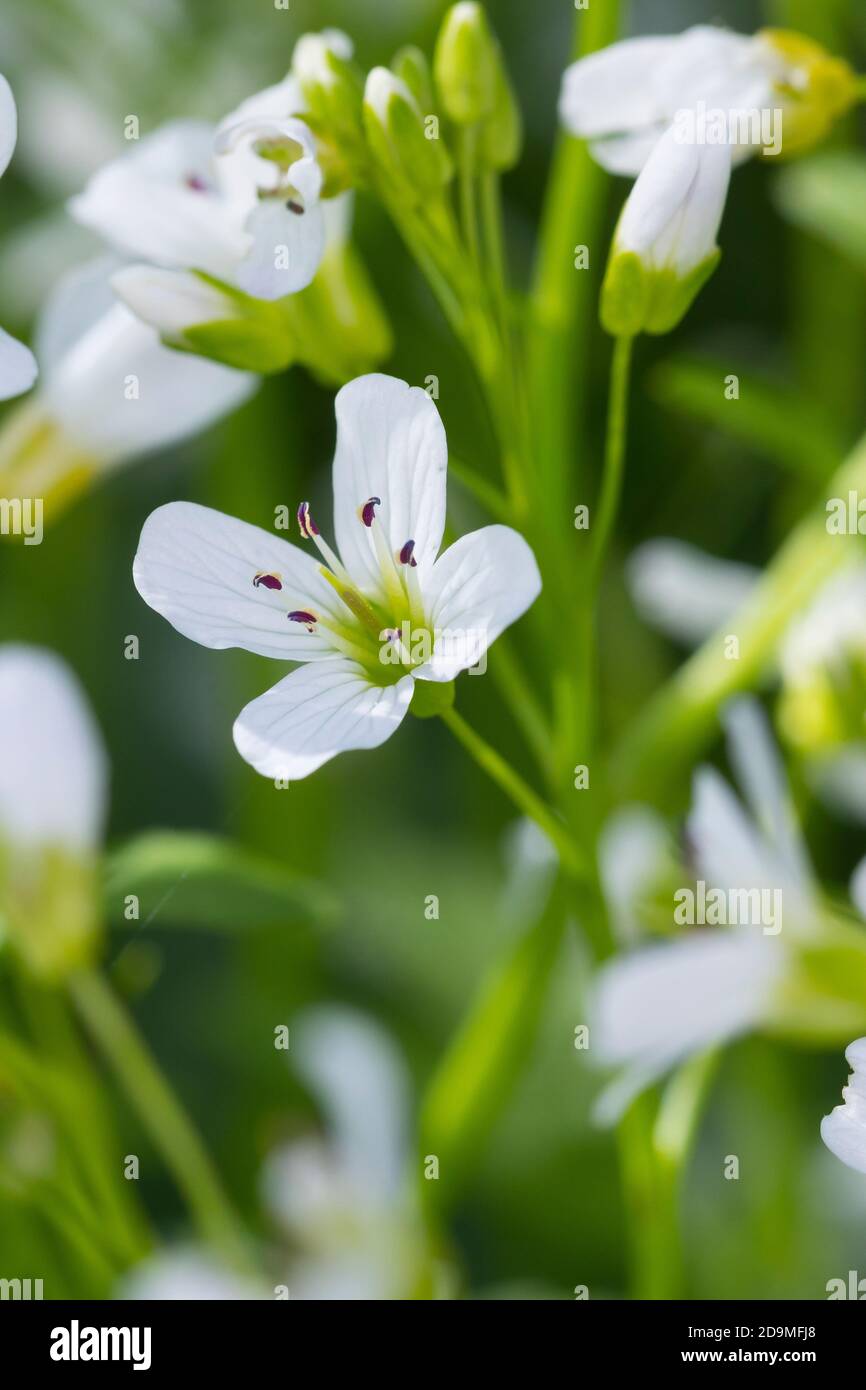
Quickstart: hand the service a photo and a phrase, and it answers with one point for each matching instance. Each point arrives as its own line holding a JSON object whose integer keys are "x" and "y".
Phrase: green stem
{"x": 468, "y": 206}
{"x": 161, "y": 1114}
{"x": 525, "y": 799}
{"x": 682, "y": 715}
{"x": 614, "y": 451}
{"x": 524, "y": 706}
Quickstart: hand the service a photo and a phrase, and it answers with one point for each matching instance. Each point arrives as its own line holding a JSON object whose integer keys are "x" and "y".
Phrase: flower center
{"x": 385, "y": 631}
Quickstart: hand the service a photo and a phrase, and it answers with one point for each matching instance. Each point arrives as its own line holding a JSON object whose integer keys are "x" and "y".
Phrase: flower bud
{"x": 332, "y": 88}
{"x": 466, "y": 65}
{"x": 411, "y": 66}
{"x": 399, "y": 141}
{"x": 473, "y": 85}
{"x": 664, "y": 247}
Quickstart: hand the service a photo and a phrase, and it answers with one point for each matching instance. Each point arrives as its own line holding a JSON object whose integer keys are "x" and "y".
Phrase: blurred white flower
{"x": 239, "y": 203}
{"x": 661, "y": 1003}
{"x": 344, "y": 1204}
{"x": 369, "y": 623}
{"x": 109, "y": 392}
{"x": 17, "y": 363}
{"x": 53, "y": 796}
{"x": 623, "y": 98}
{"x": 844, "y": 1129}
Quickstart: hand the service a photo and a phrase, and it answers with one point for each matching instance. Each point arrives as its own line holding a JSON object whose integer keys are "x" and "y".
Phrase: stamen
{"x": 405, "y": 555}
{"x": 309, "y": 529}
{"x": 268, "y": 581}
{"x": 295, "y": 207}
{"x": 367, "y": 513}
{"x": 196, "y": 184}
{"x": 308, "y": 620}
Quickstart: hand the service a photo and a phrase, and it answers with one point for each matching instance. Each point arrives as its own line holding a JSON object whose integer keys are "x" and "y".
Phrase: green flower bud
{"x": 466, "y": 65}
{"x": 664, "y": 248}
{"x": 406, "y": 150}
{"x": 332, "y": 87}
{"x": 411, "y": 66}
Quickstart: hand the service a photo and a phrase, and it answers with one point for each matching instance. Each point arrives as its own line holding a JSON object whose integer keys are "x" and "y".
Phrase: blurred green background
{"x": 381, "y": 832}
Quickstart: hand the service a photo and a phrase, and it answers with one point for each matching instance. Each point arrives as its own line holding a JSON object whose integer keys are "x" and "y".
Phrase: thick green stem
{"x": 161, "y": 1114}
{"x": 524, "y": 798}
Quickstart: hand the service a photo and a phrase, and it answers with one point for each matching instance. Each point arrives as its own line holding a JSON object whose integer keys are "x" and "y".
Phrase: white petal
{"x": 53, "y": 769}
{"x": 633, "y": 850}
{"x": 77, "y": 301}
{"x": 356, "y": 1073}
{"x": 665, "y": 1002}
{"x": 315, "y": 713}
{"x": 18, "y": 369}
{"x": 171, "y": 301}
{"x": 196, "y": 567}
{"x": 612, "y": 91}
{"x": 673, "y": 212}
{"x": 287, "y": 249}
{"x": 390, "y": 444}
{"x": 484, "y": 582}
{"x": 144, "y": 205}
{"x": 272, "y": 103}
{"x": 728, "y": 851}
{"x": 176, "y": 394}
{"x": 8, "y": 124}
{"x": 728, "y": 71}
{"x": 685, "y": 592}
{"x": 844, "y": 1129}
{"x": 627, "y": 154}
{"x": 758, "y": 767}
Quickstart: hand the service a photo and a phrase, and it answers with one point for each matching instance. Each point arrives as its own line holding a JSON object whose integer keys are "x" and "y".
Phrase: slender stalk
{"x": 468, "y": 205}
{"x": 614, "y": 451}
{"x": 524, "y": 706}
{"x": 525, "y": 799}
{"x": 160, "y": 1112}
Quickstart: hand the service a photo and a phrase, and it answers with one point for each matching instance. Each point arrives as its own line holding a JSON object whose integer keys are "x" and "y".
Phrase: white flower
{"x": 369, "y": 622}
{"x": 239, "y": 203}
{"x": 110, "y": 386}
{"x": 658, "y": 1005}
{"x": 844, "y": 1129}
{"x": 623, "y": 98}
{"x": 17, "y": 363}
{"x": 664, "y": 247}
{"x": 346, "y": 1201}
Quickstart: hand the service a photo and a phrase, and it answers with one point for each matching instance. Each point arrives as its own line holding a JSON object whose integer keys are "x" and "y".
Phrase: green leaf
{"x": 826, "y": 196}
{"x": 200, "y": 880}
{"x": 768, "y": 416}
